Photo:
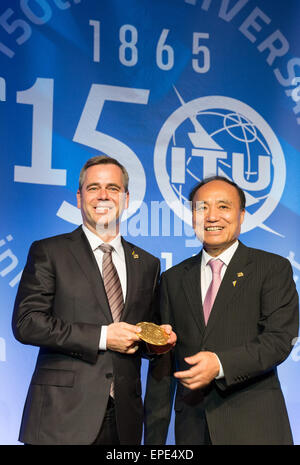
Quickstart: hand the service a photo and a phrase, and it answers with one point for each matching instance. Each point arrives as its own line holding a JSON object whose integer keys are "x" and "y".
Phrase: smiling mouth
{"x": 103, "y": 208}
{"x": 214, "y": 228}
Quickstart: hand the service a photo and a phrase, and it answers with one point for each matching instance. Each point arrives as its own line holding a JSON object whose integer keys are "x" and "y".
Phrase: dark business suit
{"x": 251, "y": 327}
{"x": 60, "y": 307}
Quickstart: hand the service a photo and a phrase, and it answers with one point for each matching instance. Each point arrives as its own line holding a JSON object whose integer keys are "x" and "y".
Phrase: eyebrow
{"x": 228, "y": 202}
{"x": 111, "y": 184}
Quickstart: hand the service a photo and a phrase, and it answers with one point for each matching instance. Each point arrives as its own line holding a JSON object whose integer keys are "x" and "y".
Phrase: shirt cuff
{"x": 102, "y": 342}
{"x": 221, "y": 372}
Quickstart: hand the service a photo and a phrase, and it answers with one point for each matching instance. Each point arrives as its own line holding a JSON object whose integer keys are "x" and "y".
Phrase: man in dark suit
{"x": 79, "y": 299}
{"x": 228, "y": 346}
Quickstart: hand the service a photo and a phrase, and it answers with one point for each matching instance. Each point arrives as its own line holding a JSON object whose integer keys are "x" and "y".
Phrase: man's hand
{"x": 172, "y": 336}
{"x": 122, "y": 337}
{"x": 205, "y": 367}
{"x": 171, "y": 342}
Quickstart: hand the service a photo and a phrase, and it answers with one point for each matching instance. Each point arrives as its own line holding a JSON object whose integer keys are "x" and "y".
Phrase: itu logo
{"x": 218, "y": 135}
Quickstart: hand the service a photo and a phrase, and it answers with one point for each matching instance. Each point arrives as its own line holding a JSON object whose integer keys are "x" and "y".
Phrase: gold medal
{"x": 153, "y": 334}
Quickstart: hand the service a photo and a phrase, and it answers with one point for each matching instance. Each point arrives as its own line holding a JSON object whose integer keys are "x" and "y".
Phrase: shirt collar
{"x": 225, "y": 256}
{"x": 95, "y": 241}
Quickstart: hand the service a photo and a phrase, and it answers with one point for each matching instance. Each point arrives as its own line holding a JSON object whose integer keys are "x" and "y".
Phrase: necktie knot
{"x": 106, "y": 248}
{"x": 216, "y": 266}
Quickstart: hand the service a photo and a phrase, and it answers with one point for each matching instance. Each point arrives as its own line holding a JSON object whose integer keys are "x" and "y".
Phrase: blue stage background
{"x": 176, "y": 90}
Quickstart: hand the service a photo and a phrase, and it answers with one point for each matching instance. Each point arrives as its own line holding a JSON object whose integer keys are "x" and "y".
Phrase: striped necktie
{"x": 113, "y": 290}
{"x": 112, "y": 283}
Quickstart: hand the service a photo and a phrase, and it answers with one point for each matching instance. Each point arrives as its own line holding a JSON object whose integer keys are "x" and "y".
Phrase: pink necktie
{"x": 216, "y": 266}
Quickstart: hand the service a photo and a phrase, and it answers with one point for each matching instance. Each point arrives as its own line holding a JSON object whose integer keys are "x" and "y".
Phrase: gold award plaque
{"x": 153, "y": 334}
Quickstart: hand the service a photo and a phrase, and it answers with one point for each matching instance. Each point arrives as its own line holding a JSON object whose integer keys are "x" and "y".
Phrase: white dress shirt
{"x": 206, "y": 273}
{"x": 206, "y": 277}
{"x": 118, "y": 258}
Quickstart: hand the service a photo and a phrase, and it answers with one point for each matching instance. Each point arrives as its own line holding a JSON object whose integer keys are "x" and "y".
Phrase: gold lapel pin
{"x": 240, "y": 274}
{"x": 234, "y": 283}
{"x": 135, "y": 255}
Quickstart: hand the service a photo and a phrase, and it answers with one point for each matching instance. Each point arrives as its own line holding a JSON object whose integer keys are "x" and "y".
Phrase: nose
{"x": 102, "y": 193}
{"x": 212, "y": 214}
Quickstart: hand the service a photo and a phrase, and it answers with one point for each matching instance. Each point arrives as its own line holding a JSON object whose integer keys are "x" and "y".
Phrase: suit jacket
{"x": 60, "y": 306}
{"x": 251, "y": 326}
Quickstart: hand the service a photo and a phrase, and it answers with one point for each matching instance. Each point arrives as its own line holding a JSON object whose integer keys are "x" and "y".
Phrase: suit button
{"x": 109, "y": 375}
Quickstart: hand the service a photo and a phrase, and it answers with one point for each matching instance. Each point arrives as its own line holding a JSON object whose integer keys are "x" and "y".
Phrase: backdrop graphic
{"x": 176, "y": 90}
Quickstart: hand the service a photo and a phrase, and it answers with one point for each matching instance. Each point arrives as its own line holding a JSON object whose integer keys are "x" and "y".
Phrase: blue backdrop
{"x": 176, "y": 90}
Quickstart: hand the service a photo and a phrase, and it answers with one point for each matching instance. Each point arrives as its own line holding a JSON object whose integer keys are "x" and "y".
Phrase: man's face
{"x": 102, "y": 198}
{"x": 217, "y": 216}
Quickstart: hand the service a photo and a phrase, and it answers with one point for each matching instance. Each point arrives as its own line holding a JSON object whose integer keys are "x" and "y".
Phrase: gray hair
{"x": 103, "y": 160}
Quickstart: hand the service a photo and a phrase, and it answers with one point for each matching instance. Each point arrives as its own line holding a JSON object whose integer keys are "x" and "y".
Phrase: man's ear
{"x": 126, "y": 200}
{"x": 242, "y": 216}
{"x": 78, "y": 196}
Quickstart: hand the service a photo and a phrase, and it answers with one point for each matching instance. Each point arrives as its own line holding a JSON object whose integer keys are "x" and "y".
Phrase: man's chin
{"x": 216, "y": 247}
{"x": 105, "y": 226}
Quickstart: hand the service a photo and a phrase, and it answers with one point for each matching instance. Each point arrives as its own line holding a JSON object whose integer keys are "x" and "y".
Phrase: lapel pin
{"x": 234, "y": 283}
{"x": 240, "y": 274}
{"x": 135, "y": 255}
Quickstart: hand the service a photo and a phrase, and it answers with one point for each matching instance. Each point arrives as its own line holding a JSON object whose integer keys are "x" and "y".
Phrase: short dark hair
{"x": 103, "y": 160}
{"x": 220, "y": 178}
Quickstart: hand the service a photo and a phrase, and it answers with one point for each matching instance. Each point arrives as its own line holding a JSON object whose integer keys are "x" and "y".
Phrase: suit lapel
{"x": 192, "y": 288}
{"x": 238, "y": 271}
{"x": 133, "y": 275}
{"x": 84, "y": 256}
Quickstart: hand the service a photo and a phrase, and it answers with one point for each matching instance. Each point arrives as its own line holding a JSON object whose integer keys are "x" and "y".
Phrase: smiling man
{"x": 235, "y": 312}
{"x": 79, "y": 300}
{"x": 102, "y": 196}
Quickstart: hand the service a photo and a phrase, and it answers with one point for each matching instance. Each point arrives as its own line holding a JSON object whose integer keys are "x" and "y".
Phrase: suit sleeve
{"x": 277, "y": 326}
{"x": 160, "y": 385}
{"x": 34, "y": 321}
{"x": 154, "y": 309}
{"x": 155, "y": 314}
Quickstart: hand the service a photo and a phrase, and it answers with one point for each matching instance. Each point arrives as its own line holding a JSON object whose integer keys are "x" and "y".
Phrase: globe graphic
{"x": 219, "y": 135}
